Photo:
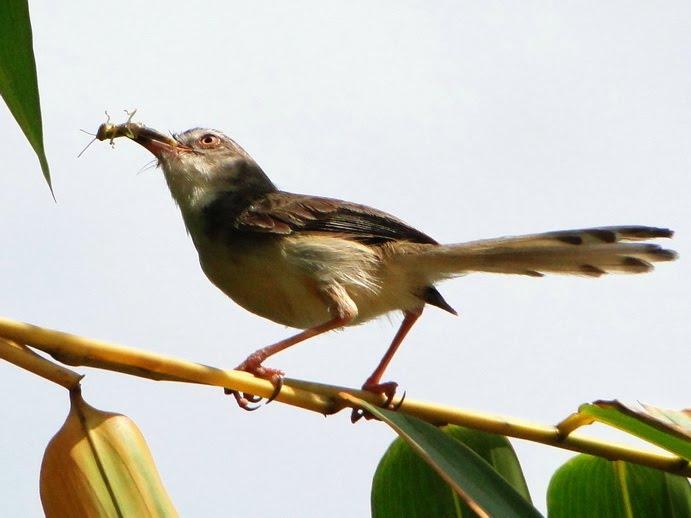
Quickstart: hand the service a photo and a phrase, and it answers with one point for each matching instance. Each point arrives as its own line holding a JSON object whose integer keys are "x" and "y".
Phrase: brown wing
{"x": 287, "y": 213}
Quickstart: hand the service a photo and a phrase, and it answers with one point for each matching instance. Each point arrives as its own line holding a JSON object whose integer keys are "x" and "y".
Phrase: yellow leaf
{"x": 99, "y": 465}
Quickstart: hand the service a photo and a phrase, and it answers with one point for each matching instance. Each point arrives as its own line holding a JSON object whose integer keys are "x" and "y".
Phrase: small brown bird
{"x": 319, "y": 264}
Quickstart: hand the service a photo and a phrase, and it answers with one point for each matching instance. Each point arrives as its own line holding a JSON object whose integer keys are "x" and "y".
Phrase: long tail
{"x": 591, "y": 252}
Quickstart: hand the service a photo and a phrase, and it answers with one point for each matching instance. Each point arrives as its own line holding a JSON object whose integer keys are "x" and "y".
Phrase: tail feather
{"x": 590, "y": 252}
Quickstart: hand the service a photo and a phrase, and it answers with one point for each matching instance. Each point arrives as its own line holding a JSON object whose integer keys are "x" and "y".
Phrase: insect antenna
{"x": 87, "y": 146}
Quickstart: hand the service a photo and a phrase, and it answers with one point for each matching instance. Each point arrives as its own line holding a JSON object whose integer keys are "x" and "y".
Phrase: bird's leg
{"x": 344, "y": 309}
{"x": 374, "y": 383}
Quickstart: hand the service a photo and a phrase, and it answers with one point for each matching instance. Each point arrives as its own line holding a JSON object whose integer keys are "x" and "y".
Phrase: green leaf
{"x": 497, "y": 451}
{"x": 404, "y": 485}
{"x": 667, "y": 429}
{"x": 592, "y": 486}
{"x": 471, "y": 477}
{"x": 18, "y": 83}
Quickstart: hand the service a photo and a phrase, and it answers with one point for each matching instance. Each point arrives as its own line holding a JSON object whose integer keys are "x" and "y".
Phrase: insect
{"x": 112, "y": 131}
{"x": 108, "y": 131}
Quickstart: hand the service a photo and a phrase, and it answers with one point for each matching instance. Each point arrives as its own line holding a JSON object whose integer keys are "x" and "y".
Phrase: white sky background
{"x": 468, "y": 120}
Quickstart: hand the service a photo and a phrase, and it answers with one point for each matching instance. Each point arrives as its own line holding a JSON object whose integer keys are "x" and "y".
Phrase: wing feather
{"x": 286, "y": 213}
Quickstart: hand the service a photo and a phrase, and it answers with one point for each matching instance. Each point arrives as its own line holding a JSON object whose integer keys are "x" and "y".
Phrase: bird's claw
{"x": 400, "y": 402}
{"x": 251, "y": 397}
{"x": 244, "y": 399}
{"x": 388, "y": 390}
{"x": 278, "y": 385}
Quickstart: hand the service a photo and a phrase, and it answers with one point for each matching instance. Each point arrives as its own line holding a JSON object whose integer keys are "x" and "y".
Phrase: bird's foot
{"x": 387, "y": 389}
{"x": 253, "y": 366}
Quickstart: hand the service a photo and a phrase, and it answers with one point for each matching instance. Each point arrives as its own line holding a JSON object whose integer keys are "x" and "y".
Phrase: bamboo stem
{"x": 545, "y": 434}
{"x": 76, "y": 350}
{"x": 80, "y": 351}
{"x": 573, "y": 421}
{"x": 22, "y": 356}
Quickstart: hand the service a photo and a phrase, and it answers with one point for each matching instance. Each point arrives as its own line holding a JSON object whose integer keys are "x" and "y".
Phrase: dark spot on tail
{"x": 663, "y": 254}
{"x": 637, "y": 264}
{"x": 592, "y": 271}
{"x": 533, "y": 273}
{"x": 645, "y": 232}
{"x": 432, "y": 296}
{"x": 602, "y": 234}
{"x": 570, "y": 239}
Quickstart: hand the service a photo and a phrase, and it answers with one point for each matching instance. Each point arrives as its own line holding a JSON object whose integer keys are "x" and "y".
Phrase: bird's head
{"x": 200, "y": 164}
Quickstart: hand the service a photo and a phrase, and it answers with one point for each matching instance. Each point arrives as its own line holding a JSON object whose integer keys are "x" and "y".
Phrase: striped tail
{"x": 591, "y": 252}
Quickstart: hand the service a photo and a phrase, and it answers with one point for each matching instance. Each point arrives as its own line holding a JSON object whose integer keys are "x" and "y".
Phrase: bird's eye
{"x": 209, "y": 140}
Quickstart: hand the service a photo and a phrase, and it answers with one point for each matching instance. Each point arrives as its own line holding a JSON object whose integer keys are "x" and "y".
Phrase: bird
{"x": 320, "y": 264}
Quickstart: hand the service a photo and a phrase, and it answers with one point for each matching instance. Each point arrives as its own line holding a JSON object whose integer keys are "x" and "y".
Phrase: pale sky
{"x": 468, "y": 120}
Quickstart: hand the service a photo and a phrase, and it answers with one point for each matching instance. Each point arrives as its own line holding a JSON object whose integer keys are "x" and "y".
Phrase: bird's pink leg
{"x": 253, "y": 363}
{"x": 373, "y": 383}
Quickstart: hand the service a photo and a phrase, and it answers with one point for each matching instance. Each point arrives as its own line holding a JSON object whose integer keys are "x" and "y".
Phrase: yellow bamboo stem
{"x": 76, "y": 350}
{"x": 22, "y": 356}
{"x": 545, "y": 434}
{"x": 572, "y": 422}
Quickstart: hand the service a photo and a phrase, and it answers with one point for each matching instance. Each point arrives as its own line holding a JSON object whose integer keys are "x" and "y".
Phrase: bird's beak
{"x": 157, "y": 143}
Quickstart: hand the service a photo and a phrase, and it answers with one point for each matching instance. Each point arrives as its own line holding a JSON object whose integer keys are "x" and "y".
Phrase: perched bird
{"x": 320, "y": 264}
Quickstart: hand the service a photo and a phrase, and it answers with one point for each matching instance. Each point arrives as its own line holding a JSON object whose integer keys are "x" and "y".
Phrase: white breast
{"x": 281, "y": 279}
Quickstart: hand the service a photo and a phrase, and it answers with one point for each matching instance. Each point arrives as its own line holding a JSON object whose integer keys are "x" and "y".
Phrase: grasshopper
{"x": 109, "y": 131}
